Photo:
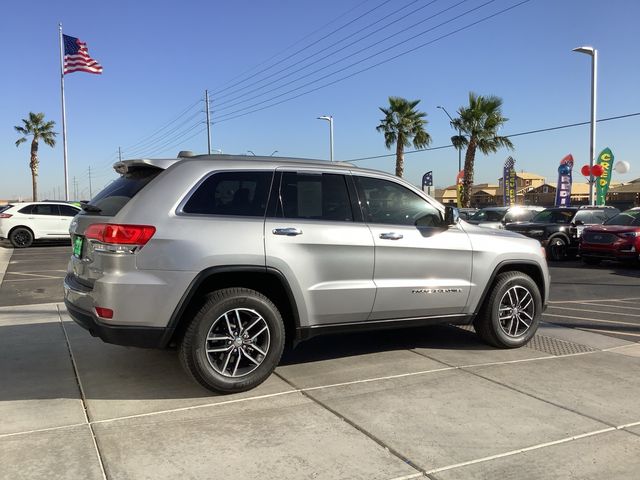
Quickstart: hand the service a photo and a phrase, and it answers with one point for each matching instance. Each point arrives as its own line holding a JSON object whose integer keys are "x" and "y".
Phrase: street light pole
{"x": 459, "y": 134}
{"x": 329, "y": 119}
{"x": 594, "y": 84}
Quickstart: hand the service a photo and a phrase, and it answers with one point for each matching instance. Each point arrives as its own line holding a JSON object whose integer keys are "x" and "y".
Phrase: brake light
{"x": 5, "y": 215}
{"x": 104, "y": 312}
{"x": 120, "y": 234}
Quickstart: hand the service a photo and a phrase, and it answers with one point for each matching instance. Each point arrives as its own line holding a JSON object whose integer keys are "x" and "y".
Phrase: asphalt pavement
{"x": 422, "y": 403}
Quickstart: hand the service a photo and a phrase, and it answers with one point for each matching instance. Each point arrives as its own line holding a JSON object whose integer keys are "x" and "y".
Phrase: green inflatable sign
{"x": 605, "y": 160}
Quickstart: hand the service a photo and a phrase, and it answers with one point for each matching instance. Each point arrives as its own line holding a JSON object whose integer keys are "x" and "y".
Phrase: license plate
{"x": 77, "y": 246}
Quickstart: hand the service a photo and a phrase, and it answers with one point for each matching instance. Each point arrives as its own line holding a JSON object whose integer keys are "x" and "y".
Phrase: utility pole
{"x": 206, "y": 101}
{"x": 75, "y": 188}
{"x": 119, "y": 154}
{"x": 90, "y": 191}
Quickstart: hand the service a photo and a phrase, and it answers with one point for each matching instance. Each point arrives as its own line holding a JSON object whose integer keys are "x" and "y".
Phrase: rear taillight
{"x": 5, "y": 215}
{"x": 120, "y": 234}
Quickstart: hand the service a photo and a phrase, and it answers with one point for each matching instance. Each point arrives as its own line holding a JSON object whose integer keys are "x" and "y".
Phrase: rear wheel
{"x": 234, "y": 342}
{"x": 511, "y": 313}
{"x": 557, "y": 248}
{"x": 21, "y": 237}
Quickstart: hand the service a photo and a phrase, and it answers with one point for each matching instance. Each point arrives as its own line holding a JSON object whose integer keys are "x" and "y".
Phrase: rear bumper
{"x": 145, "y": 337}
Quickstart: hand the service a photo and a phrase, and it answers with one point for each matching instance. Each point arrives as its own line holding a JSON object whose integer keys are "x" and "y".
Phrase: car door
{"x": 67, "y": 212}
{"x": 46, "y": 217}
{"x": 422, "y": 268}
{"x": 315, "y": 237}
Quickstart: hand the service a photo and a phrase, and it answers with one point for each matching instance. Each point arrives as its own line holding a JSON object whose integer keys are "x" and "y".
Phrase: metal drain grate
{"x": 557, "y": 347}
{"x": 545, "y": 344}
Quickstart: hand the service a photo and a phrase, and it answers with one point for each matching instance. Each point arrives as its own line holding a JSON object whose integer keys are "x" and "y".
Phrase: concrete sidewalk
{"x": 432, "y": 402}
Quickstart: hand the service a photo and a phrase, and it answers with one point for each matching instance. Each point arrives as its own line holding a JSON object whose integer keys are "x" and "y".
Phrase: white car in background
{"x": 24, "y": 222}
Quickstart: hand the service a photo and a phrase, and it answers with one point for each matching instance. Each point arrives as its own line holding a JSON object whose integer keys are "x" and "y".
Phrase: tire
{"x": 233, "y": 362}
{"x": 516, "y": 327}
{"x": 591, "y": 260}
{"x": 557, "y": 249}
{"x": 21, "y": 237}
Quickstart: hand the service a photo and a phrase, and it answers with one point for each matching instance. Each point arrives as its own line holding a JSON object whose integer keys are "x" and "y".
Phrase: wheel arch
{"x": 528, "y": 267}
{"x": 268, "y": 281}
{"x": 26, "y": 227}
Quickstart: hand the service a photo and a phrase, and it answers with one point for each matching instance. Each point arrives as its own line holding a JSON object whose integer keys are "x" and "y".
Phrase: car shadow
{"x": 35, "y": 361}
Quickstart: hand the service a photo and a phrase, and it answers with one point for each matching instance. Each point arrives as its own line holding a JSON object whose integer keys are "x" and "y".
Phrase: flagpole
{"x": 64, "y": 116}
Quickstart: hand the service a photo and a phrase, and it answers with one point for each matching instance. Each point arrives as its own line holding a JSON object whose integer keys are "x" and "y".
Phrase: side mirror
{"x": 578, "y": 222}
{"x": 451, "y": 215}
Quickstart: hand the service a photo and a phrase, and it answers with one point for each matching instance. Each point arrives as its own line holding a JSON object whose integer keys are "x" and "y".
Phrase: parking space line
{"x": 592, "y": 319}
{"x": 33, "y": 279}
{"x": 31, "y": 274}
{"x": 409, "y": 477}
{"x": 82, "y": 397}
{"x": 626, "y": 301}
{"x": 597, "y": 300}
{"x": 598, "y": 330}
{"x": 620, "y": 346}
{"x": 522, "y": 450}
{"x": 615, "y": 306}
{"x": 597, "y": 311}
{"x": 61, "y": 427}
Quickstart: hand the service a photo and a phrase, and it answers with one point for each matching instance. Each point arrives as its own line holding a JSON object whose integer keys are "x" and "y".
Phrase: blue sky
{"x": 160, "y": 56}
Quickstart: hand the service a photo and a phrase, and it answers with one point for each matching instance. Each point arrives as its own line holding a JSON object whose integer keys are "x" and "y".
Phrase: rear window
{"x": 563, "y": 216}
{"x": 488, "y": 215}
{"x": 631, "y": 217}
{"x": 116, "y": 195}
{"x": 5, "y": 207}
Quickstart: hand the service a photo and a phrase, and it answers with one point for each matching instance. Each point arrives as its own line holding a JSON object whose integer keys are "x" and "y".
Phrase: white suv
{"x": 24, "y": 222}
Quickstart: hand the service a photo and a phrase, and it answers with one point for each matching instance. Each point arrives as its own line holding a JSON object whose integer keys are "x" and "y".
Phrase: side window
{"x": 26, "y": 210}
{"x": 387, "y": 202}
{"x": 583, "y": 216}
{"x": 231, "y": 193}
{"x": 68, "y": 211}
{"x": 599, "y": 216}
{"x": 321, "y": 196}
{"x": 45, "y": 209}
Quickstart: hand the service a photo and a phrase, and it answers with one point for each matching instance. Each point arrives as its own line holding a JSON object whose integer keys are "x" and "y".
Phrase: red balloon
{"x": 597, "y": 170}
{"x": 585, "y": 170}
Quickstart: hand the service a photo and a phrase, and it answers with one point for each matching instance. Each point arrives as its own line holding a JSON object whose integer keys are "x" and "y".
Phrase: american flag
{"x": 76, "y": 57}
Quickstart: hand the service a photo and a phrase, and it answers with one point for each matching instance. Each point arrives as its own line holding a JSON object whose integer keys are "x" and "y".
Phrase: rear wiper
{"x": 87, "y": 207}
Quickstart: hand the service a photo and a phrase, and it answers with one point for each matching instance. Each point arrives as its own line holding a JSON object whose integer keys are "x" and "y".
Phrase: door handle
{"x": 288, "y": 231}
{"x": 391, "y": 236}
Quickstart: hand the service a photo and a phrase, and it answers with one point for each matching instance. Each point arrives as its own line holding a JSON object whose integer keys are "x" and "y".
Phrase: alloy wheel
{"x": 237, "y": 342}
{"x": 516, "y": 311}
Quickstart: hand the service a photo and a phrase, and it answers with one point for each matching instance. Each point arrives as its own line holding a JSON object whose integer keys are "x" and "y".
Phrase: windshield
{"x": 488, "y": 215}
{"x": 625, "y": 218}
{"x": 116, "y": 195}
{"x": 554, "y": 216}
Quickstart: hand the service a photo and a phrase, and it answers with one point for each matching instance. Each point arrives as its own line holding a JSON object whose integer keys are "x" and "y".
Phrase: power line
{"x": 148, "y": 137}
{"x": 354, "y": 54}
{"x": 152, "y": 145}
{"x": 325, "y": 49}
{"x": 231, "y": 116}
{"x": 176, "y": 140}
{"x": 529, "y": 132}
{"x": 216, "y": 93}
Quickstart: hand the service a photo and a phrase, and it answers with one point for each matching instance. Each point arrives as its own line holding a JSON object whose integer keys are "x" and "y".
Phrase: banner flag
{"x": 427, "y": 179}
{"x": 509, "y": 182}
{"x": 459, "y": 180}
{"x": 563, "y": 191}
{"x": 605, "y": 160}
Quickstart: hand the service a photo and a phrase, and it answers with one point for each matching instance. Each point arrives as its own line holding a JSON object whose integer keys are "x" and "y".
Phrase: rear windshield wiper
{"x": 87, "y": 207}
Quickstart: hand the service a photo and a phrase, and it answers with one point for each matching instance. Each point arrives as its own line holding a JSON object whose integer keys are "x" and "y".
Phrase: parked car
{"x": 498, "y": 217}
{"x": 559, "y": 229}
{"x": 466, "y": 213}
{"x": 228, "y": 258}
{"x": 617, "y": 239}
{"x": 24, "y": 222}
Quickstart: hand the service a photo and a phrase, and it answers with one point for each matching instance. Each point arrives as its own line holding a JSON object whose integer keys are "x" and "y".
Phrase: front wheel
{"x": 234, "y": 342}
{"x": 511, "y": 314}
{"x": 557, "y": 249}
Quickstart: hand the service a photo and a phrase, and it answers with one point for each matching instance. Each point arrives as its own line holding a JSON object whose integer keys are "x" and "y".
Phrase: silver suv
{"x": 230, "y": 258}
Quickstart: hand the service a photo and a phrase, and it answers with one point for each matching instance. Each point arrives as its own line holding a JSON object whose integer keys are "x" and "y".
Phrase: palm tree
{"x": 403, "y": 125}
{"x": 479, "y": 124}
{"x": 39, "y": 130}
